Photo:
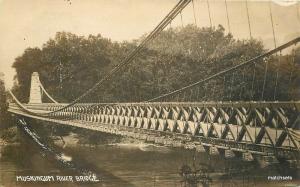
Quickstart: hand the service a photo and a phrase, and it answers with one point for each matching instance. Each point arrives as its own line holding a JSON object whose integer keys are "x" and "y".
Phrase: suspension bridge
{"x": 246, "y": 120}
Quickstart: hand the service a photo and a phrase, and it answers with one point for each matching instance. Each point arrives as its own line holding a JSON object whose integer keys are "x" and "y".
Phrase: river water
{"x": 130, "y": 164}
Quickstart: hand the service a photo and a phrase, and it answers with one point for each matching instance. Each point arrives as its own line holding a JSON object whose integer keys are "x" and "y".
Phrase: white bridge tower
{"x": 35, "y": 89}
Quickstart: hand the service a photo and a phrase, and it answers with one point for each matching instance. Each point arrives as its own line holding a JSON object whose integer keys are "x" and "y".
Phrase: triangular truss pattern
{"x": 254, "y": 124}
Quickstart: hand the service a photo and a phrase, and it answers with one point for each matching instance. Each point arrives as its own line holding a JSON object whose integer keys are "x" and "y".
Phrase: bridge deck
{"x": 203, "y": 126}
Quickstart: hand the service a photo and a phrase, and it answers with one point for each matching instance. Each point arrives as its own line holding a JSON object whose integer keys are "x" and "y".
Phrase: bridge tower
{"x": 35, "y": 89}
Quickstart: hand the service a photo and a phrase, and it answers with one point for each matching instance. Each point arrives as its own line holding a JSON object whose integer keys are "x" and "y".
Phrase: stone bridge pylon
{"x": 35, "y": 89}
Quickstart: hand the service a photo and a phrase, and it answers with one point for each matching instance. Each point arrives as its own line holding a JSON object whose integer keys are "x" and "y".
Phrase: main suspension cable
{"x": 251, "y": 61}
{"x": 172, "y": 14}
{"x": 163, "y": 24}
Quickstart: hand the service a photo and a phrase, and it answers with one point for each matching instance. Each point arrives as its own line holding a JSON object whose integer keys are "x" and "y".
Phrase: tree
{"x": 69, "y": 65}
{"x": 3, "y": 103}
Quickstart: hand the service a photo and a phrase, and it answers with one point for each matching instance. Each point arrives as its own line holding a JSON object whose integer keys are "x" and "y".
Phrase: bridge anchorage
{"x": 240, "y": 122}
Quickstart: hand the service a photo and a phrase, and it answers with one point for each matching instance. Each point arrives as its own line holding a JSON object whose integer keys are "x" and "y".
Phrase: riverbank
{"x": 9, "y": 136}
{"x": 120, "y": 161}
{"x": 3, "y": 142}
{"x": 74, "y": 139}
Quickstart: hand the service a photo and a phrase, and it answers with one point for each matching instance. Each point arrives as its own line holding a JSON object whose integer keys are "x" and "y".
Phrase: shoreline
{"x": 3, "y": 142}
{"x": 73, "y": 140}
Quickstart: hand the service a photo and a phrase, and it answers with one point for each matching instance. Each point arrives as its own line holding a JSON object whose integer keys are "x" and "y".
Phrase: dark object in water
{"x": 193, "y": 177}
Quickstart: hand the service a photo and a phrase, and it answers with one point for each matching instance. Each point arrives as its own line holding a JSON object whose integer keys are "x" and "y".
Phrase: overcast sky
{"x": 30, "y": 23}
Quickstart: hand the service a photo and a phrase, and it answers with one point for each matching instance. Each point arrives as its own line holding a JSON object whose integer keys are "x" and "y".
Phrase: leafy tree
{"x": 3, "y": 104}
{"x": 69, "y": 65}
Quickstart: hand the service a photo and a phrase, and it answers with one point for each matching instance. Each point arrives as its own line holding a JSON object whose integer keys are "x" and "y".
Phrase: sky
{"x": 30, "y": 23}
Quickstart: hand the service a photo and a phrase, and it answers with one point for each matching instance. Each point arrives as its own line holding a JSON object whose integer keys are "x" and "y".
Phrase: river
{"x": 130, "y": 164}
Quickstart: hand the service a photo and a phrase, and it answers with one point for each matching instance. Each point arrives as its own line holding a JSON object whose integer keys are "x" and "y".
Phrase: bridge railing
{"x": 267, "y": 123}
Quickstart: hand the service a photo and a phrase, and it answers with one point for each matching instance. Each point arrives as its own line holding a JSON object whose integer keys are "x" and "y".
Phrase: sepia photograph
{"x": 150, "y": 93}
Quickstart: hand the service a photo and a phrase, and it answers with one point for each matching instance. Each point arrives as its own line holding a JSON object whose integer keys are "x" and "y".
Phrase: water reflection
{"x": 147, "y": 147}
{"x": 136, "y": 164}
{"x": 34, "y": 158}
{"x": 159, "y": 167}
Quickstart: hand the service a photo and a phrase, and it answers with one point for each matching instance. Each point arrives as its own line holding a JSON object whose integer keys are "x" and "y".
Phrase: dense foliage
{"x": 5, "y": 120}
{"x": 69, "y": 65}
{"x": 3, "y": 104}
